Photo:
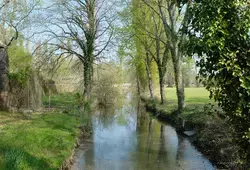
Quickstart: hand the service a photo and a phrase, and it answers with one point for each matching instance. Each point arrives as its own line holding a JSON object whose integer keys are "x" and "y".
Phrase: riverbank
{"x": 210, "y": 133}
{"x": 41, "y": 140}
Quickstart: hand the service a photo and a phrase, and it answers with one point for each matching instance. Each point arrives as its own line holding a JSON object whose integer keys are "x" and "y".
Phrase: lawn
{"x": 43, "y": 141}
{"x": 192, "y": 95}
{"x": 195, "y": 98}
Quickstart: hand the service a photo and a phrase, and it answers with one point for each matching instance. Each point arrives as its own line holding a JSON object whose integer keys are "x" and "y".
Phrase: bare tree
{"x": 81, "y": 28}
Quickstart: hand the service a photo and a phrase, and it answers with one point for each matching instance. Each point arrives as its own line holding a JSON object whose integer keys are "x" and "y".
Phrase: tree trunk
{"x": 138, "y": 85}
{"x": 149, "y": 75}
{"x": 162, "y": 91}
{"x": 161, "y": 81}
{"x": 87, "y": 87}
{"x": 179, "y": 85}
{"x": 4, "y": 79}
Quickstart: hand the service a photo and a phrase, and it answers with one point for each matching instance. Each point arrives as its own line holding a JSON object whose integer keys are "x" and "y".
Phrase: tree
{"x": 13, "y": 16}
{"x": 83, "y": 29}
{"x": 149, "y": 37}
{"x": 219, "y": 34}
{"x": 174, "y": 16}
{"x": 133, "y": 48}
{"x": 142, "y": 42}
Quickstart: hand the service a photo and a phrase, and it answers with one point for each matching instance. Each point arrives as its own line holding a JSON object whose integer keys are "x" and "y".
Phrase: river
{"x": 127, "y": 138}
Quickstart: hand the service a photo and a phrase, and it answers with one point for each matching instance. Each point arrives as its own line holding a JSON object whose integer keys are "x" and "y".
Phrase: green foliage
{"x": 18, "y": 56}
{"x": 79, "y": 99}
{"x": 21, "y": 76}
{"x": 136, "y": 19}
{"x": 105, "y": 90}
{"x": 220, "y": 36}
{"x": 20, "y": 63}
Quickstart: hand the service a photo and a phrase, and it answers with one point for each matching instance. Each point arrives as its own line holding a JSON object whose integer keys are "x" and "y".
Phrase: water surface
{"x": 127, "y": 138}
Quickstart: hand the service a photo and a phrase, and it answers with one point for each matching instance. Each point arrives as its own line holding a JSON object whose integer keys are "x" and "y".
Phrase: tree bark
{"x": 138, "y": 85}
{"x": 149, "y": 75}
{"x": 87, "y": 82}
{"x": 4, "y": 79}
{"x": 161, "y": 81}
{"x": 179, "y": 84}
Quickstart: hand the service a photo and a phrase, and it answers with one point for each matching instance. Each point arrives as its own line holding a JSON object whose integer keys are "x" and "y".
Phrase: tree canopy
{"x": 219, "y": 34}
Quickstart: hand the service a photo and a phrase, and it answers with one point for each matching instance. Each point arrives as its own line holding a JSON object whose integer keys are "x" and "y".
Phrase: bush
{"x": 105, "y": 91}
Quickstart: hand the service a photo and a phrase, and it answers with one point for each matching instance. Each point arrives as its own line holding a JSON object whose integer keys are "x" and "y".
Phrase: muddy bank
{"x": 207, "y": 131}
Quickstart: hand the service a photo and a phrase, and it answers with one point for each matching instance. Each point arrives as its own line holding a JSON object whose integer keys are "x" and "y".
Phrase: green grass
{"x": 195, "y": 99}
{"x": 67, "y": 100}
{"x": 192, "y": 95}
{"x": 42, "y": 142}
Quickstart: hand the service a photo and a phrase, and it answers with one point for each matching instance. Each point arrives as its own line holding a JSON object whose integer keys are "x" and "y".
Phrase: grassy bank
{"x": 43, "y": 141}
{"x": 202, "y": 115}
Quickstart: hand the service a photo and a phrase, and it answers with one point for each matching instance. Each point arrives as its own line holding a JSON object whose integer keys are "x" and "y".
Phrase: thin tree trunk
{"x": 161, "y": 81}
{"x": 138, "y": 85}
{"x": 179, "y": 85}
{"x": 162, "y": 91}
{"x": 4, "y": 79}
{"x": 150, "y": 81}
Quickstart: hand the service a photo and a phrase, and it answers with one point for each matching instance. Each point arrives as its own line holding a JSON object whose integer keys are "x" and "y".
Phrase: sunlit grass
{"x": 195, "y": 98}
{"x": 43, "y": 141}
{"x": 192, "y": 95}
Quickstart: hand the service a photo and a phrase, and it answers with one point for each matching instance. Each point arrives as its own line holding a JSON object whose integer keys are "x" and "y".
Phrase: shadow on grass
{"x": 17, "y": 158}
{"x": 61, "y": 101}
{"x": 59, "y": 125}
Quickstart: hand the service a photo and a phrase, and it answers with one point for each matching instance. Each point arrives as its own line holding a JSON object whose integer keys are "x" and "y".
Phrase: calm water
{"x": 126, "y": 138}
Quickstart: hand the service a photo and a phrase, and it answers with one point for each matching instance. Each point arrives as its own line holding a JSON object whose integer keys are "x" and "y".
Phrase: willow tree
{"x": 149, "y": 39}
{"x": 13, "y": 18}
{"x": 174, "y": 15}
{"x": 133, "y": 50}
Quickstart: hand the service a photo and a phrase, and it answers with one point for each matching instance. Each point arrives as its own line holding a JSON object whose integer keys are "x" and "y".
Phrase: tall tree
{"x": 133, "y": 44}
{"x": 174, "y": 15}
{"x": 81, "y": 29}
{"x": 149, "y": 36}
{"x": 141, "y": 41}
